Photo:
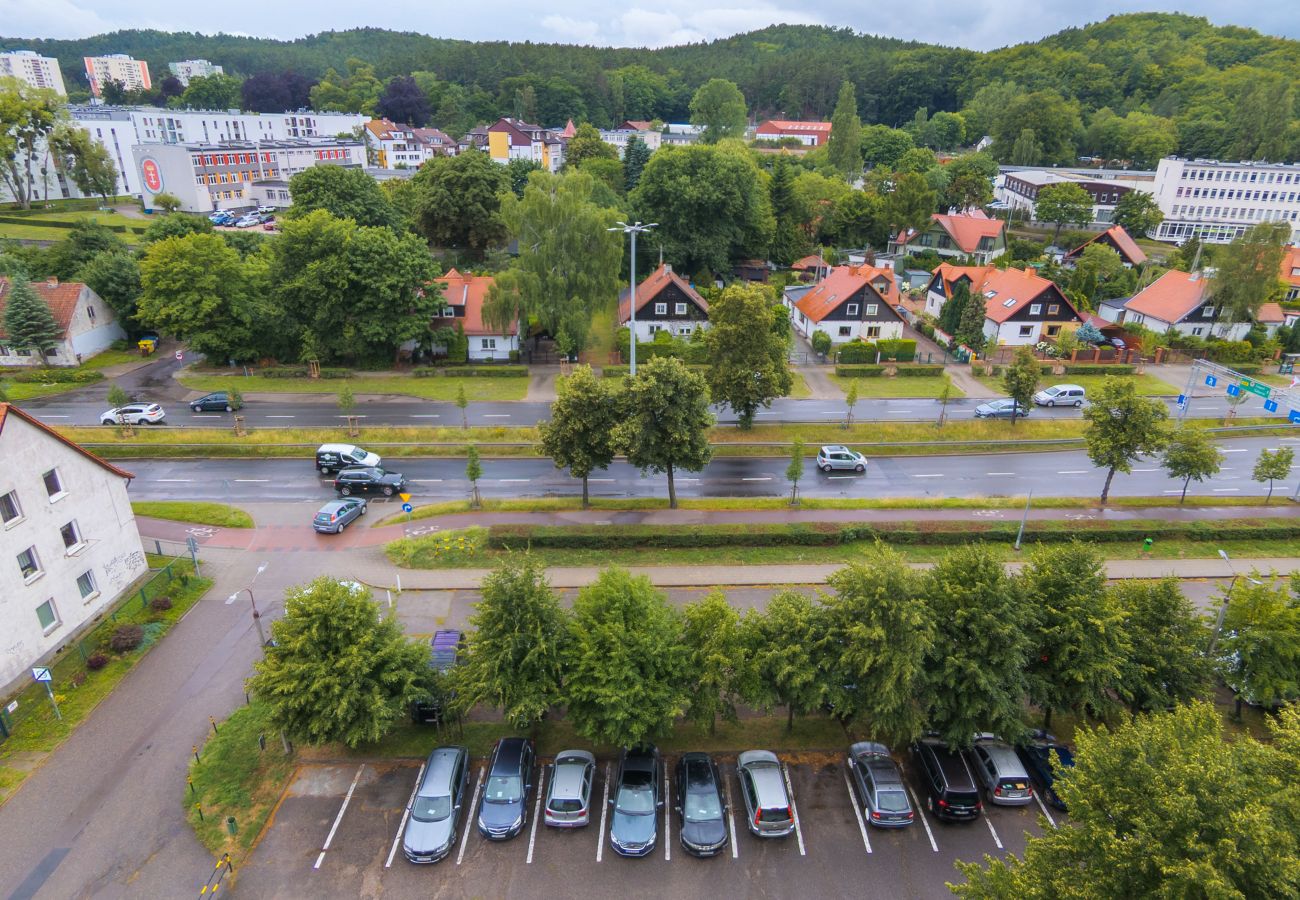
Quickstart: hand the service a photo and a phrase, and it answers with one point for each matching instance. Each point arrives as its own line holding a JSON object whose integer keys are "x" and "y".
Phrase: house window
{"x": 448, "y": 312}
{"x": 851, "y": 309}
{"x": 489, "y": 343}
{"x": 845, "y": 331}
{"x": 86, "y": 584}
{"x": 873, "y": 331}
{"x": 681, "y": 309}
{"x": 684, "y": 331}
{"x": 53, "y": 484}
{"x": 1197, "y": 332}
{"x": 1026, "y": 330}
{"x": 90, "y": 311}
{"x": 48, "y": 616}
{"x": 10, "y": 511}
{"x": 1053, "y": 309}
{"x": 871, "y": 309}
{"x": 1053, "y": 330}
{"x": 71, "y": 535}
{"x": 661, "y": 309}
{"x": 28, "y": 564}
{"x": 1035, "y": 309}
{"x": 1208, "y": 312}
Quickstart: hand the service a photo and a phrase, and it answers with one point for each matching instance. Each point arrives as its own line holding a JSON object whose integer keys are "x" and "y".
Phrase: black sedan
{"x": 632, "y": 829}
{"x": 703, "y": 829}
{"x": 215, "y": 402}
{"x": 1036, "y": 753}
{"x": 368, "y": 480}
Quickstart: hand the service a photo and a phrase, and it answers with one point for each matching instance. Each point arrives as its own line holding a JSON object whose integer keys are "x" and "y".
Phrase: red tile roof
{"x": 569, "y": 130}
{"x": 469, "y": 292}
{"x": 635, "y": 125}
{"x": 1170, "y": 297}
{"x": 60, "y": 297}
{"x": 1020, "y": 286}
{"x": 650, "y": 288}
{"x": 842, "y": 283}
{"x": 965, "y": 230}
{"x": 1270, "y": 314}
{"x": 8, "y": 409}
{"x": 809, "y": 262}
{"x": 1291, "y": 266}
{"x": 1128, "y": 248}
{"x": 791, "y": 126}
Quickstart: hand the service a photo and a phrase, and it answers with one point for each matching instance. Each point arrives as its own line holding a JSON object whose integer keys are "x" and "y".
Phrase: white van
{"x": 332, "y": 457}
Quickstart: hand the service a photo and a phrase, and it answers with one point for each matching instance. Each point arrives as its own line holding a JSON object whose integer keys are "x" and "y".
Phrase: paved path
{"x": 541, "y": 384}
{"x": 820, "y": 386}
{"x": 973, "y": 388}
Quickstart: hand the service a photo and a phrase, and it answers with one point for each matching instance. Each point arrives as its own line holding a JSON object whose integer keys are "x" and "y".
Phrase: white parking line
{"x": 668, "y": 834}
{"x": 989, "y": 822}
{"x": 924, "y": 821}
{"x": 537, "y": 814}
{"x": 339, "y": 818}
{"x": 932, "y": 475}
{"x": 604, "y": 808}
{"x": 1043, "y": 807}
{"x": 473, "y": 805}
{"x": 758, "y": 478}
{"x": 1073, "y": 472}
{"x": 401, "y": 826}
{"x": 731, "y": 821}
{"x": 794, "y": 809}
{"x": 857, "y": 811}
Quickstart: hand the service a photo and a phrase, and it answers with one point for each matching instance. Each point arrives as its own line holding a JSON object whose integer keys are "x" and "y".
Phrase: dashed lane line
{"x": 339, "y": 818}
{"x": 401, "y": 826}
{"x": 473, "y": 805}
{"x": 857, "y": 811}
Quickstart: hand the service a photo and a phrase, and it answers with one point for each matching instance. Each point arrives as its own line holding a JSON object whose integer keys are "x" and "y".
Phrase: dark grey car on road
{"x": 336, "y": 515}
{"x": 434, "y": 820}
{"x": 1000, "y": 409}
{"x": 879, "y": 785}
{"x": 504, "y": 809}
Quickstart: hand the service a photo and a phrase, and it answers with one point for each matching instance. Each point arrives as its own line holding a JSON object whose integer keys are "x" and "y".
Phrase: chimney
{"x": 52, "y": 281}
{"x": 668, "y": 268}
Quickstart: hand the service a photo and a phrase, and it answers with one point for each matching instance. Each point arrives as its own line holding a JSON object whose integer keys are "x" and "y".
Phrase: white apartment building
{"x": 1216, "y": 202}
{"x": 133, "y": 74}
{"x": 29, "y": 66}
{"x": 194, "y": 68}
{"x": 69, "y": 546}
{"x": 1018, "y": 190}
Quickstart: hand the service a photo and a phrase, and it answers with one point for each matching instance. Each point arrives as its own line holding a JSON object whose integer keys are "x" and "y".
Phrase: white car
{"x": 1061, "y": 395}
{"x": 134, "y": 414}
{"x": 248, "y": 221}
{"x": 267, "y": 210}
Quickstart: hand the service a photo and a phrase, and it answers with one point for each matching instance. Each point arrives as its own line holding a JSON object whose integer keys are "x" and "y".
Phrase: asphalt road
{"x": 1056, "y": 474}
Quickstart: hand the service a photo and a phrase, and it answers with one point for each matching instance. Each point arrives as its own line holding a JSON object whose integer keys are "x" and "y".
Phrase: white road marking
{"x": 1073, "y": 472}
{"x": 175, "y": 480}
{"x": 496, "y": 415}
{"x": 600, "y": 480}
{"x": 840, "y": 476}
{"x": 473, "y": 804}
{"x": 1146, "y": 470}
{"x": 685, "y": 479}
{"x": 537, "y": 814}
{"x": 251, "y": 480}
{"x": 999, "y": 473}
{"x": 731, "y": 821}
{"x": 286, "y": 417}
{"x": 1225, "y": 490}
{"x": 426, "y": 481}
{"x": 1237, "y": 450}
{"x": 435, "y": 416}
{"x": 54, "y": 417}
{"x": 924, "y": 820}
{"x": 401, "y": 826}
{"x": 794, "y": 809}
{"x": 931, "y": 475}
{"x": 758, "y": 478}
{"x": 764, "y": 413}
{"x": 989, "y": 822}
{"x": 1171, "y": 492}
{"x": 857, "y": 811}
{"x": 668, "y": 834}
{"x": 604, "y": 808}
{"x": 337, "y": 417}
{"x": 1044, "y": 809}
{"x": 900, "y": 412}
{"x": 197, "y": 416}
{"x": 513, "y": 480}
{"x": 339, "y": 818}
{"x": 1204, "y": 407}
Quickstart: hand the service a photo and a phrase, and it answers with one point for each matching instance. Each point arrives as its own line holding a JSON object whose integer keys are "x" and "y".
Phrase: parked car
{"x": 267, "y": 210}
{"x": 504, "y": 809}
{"x": 703, "y": 826}
{"x": 218, "y": 401}
{"x": 435, "y": 810}
{"x": 333, "y": 457}
{"x": 632, "y": 827}
{"x": 880, "y": 786}
{"x": 952, "y": 788}
{"x": 762, "y": 786}
{"x": 1000, "y": 409}
{"x": 369, "y": 480}
{"x": 1045, "y": 758}
{"x": 268, "y": 226}
{"x": 248, "y": 220}
{"x": 1006, "y": 783}
{"x": 568, "y": 795}
{"x": 837, "y": 457}
{"x": 338, "y": 514}
{"x": 221, "y": 217}
{"x": 133, "y": 414}
{"x": 1061, "y": 395}
{"x": 265, "y": 217}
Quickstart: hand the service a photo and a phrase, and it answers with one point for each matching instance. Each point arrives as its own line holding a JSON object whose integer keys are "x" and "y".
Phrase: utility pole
{"x": 633, "y": 229}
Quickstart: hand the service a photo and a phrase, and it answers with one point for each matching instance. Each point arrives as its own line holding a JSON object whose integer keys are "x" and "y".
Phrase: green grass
{"x": 112, "y": 357}
{"x": 926, "y": 387}
{"x": 437, "y": 388}
{"x": 799, "y": 389}
{"x": 218, "y": 514}
{"x": 1146, "y": 385}
{"x": 18, "y": 392}
{"x": 35, "y": 232}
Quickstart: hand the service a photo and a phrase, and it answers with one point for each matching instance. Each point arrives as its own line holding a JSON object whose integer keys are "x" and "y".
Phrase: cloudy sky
{"x": 979, "y": 24}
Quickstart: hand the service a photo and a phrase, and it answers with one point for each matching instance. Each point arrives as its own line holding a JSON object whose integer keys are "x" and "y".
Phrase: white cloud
{"x": 50, "y": 18}
{"x": 572, "y": 31}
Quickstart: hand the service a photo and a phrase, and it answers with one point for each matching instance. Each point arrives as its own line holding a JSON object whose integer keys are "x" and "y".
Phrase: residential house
{"x": 851, "y": 303}
{"x": 811, "y": 267}
{"x": 810, "y": 134}
{"x": 664, "y": 302}
{"x": 1117, "y": 239}
{"x": 87, "y": 324}
{"x": 69, "y": 547}
{"x": 1179, "y": 301}
{"x": 972, "y": 235}
{"x": 1021, "y": 307}
{"x": 509, "y": 139}
{"x": 1291, "y": 272}
{"x": 397, "y": 146}
{"x": 1272, "y": 317}
{"x": 618, "y": 137}
{"x": 465, "y": 296}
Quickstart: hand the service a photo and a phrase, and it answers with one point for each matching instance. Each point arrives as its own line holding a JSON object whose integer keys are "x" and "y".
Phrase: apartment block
{"x": 194, "y": 68}
{"x": 133, "y": 74}
{"x": 1216, "y": 202}
{"x": 29, "y": 66}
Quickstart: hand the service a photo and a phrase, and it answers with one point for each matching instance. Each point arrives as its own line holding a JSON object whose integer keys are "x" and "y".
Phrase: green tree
{"x": 342, "y": 192}
{"x": 1122, "y": 427}
{"x": 1026, "y": 151}
{"x": 518, "y": 170}
{"x": 622, "y": 661}
{"x": 712, "y": 666}
{"x": 1191, "y": 455}
{"x": 1138, "y": 213}
{"x": 635, "y": 156}
{"x": 968, "y": 191}
{"x": 514, "y": 645}
{"x": 1063, "y": 203}
{"x": 970, "y": 327}
{"x": 947, "y": 392}
{"x": 28, "y": 117}
{"x": 719, "y": 108}
{"x": 116, "y": 278}
{"x": 347, "y": 404}
{"x": 917, "y": 161}
{"x": 748, "y": 350}
{"x": 457, "y": 202}
{"x": 944, "y": 131}
{"x": 857, "y": 218}
{"x": 462, "y": 403}
{"x": 794, "y": 471}
{"x": 176, "y": 225}
{"x": 335, "y": 670}
{"x": 912, "y": 202}
{"x": 1259, "y": 651}
{"x": 1248, "y": 269}
{"x": 1273, "y": 465}
{"x": 845, "y": 144}
{"x": 1097, "y": 265}
{"x": 579, "y": 436}
{"x": 234, "y": 398}
{"x": 884, "y": 146}
{"x": 821, "y": 343}
{"x": 117, "y": 397}
{"x": 587, "y": 144}
{"x": 850, "y": 401}
{"x": 1053, "y": 121}
{"x": 85, "y": 239}
{"x": 568, "y": 262}
{"x": 87, "y": 163}
{"x": 357, "y": 90}
{"x": 789, "y": 240}
{"x": 665, "y": 420}
{"x": 951, "y": 312}
{"x": 1166, "y": 636}
{"x": 781, "y": 653}
{"x": 1020, "y": 380}
{"x": 473, "y": 472}
{"x": 29, "y": 324}
{"x": 218, "y": 91}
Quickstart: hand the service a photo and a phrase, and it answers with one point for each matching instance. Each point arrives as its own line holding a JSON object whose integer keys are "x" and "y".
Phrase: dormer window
{"x": 1208, "y": 312}
{"x": 851, "y": 309}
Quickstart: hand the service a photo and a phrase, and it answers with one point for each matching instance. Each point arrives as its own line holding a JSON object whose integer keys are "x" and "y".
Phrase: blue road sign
{"x": 406, "y": 507}
{"x": 41, "y": 673}
{"x": 1270, "y": 405}
{"x": 1233, "y": 390}
{"x": 1295, "y": 417}
{"x": 1182, "y": 398}
{"x": 1211, "y": 380}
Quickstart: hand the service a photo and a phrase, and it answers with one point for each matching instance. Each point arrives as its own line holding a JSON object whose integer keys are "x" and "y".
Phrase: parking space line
{"x": 794, "y": 809}
{"x": 473, "y": 805}
{"x": 668, "y": 834}
{"x": 604, "y": 808}
{"x": 537, "y": 814}
{"x": 993, "y": 831}
{"x": 339, "y": 818}
{"x": 1044, "y": 809}
{"x": 731, "y": 820}
{"x": 401, "y": 826}
{"x": 916, "y": 804}
{"x": 857, "y": 812}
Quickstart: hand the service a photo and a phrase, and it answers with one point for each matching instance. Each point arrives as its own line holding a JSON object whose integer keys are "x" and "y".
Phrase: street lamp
{"x": 634, "y": 229}
{"x": 257, "y": 616}
{"x": 1223, "y": 607}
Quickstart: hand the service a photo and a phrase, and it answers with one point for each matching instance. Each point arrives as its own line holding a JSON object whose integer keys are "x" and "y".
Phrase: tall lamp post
{"x": 257, "y": 616}
{"x": 1223, "y": 607}
{"x": 634, "y": 229}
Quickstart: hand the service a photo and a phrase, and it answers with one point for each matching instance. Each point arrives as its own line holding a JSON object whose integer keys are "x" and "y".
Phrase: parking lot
{"x": 337, "y": 832}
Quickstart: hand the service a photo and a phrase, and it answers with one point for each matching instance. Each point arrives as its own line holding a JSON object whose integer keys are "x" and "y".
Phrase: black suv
{"x": 504, "y": 809}
{"x": 369, "y": 480}
{"x": 703, "y": 830}
{"x": 954, "y": 793}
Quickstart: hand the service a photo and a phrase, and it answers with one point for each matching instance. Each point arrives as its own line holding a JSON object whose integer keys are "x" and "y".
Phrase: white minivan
{"x": 1060, "y": 395}
{"x": 333, "y": 457}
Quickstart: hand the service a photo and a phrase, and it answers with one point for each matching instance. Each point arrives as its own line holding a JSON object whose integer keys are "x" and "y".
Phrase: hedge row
{"x": 920, "y": 371}
{"x": 62, "y": 223}
{"x": 823, "y": 534}
{"x": 301, "y": 372}
{"x": 864, "y": 371}
{"x": 53, "y": 376}
{"x": 471, "y": 372}
{"x": 878, "y": 370}
{"x": 865, "y": 352}
{"x": 620, "y": 371}
{"x": 1081, "y": 369}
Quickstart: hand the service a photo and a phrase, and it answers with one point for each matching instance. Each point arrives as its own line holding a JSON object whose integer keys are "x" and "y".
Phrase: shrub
{"x": 1099, "y": 369}
{"x": 902, "y": 350}
{"x": 96, "y": 661}
{"x": 78, "y": 679}
{"x": 126, "y": 637}
{"x": 335, "y": 373}
{"x": 57, "y": 376}
{"x": 920, "y": 371}
{"x": 856, "y": 352}
{"x": 871, "y": 371}
{"x": 160, "y": 604}
{"x": 821, "y": 342}
{"x": 284, "y": 372}
{"x": 488, "y": 372}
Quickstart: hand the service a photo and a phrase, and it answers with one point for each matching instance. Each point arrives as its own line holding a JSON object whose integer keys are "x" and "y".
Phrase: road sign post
{"x": 41, "y": 674}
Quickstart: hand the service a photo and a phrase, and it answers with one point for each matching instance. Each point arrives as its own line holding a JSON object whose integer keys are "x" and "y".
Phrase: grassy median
{"x": 1145, "y": 385}
{"x": 439, "y": 388}
{"x": 218, "y": 514}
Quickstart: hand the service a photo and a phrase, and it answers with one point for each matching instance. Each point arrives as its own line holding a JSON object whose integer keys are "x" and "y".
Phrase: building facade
{"x": 1176, "y": 301}
{"x": 1019, "y": 191}
{"x": 850, "y": 303}
{"x": 810, "y": 134}
{"x": 194, "y": 68}
{"x": 1020, "y": 307}
{"x": 973, "y": 236}
{"x": 132, "y": 74}
{"x": 509, "y": 139}
{"x": 395, "y": 146}
{"x": 465, "y": 295}
{"x": 664, "y": 302}
{"x": 29, "y": 66}
{"x": 69, "y": 546}
{"x": 1216, "y": 202}
{"x": 88, "y": 324}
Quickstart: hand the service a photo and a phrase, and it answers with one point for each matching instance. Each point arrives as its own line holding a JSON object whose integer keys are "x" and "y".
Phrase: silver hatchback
{"x": 1000, "y": 771}
{"x": 769, "y": 812}
{"x": 568, "y": 797}
{"x": 838, "y": 457}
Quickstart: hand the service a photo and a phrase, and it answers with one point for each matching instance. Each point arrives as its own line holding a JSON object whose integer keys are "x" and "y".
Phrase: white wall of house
{"x": 842, "y": 332}
{"x": 934, "y": 302}
{"x": 491, "y": 347}
{"x": 1013, "y": 333}
{"x": 646, "y": 329}
{"x": 43, "y": 610}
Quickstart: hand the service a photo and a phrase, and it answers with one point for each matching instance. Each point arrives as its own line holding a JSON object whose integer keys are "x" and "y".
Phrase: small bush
{"x": 855, "y": 352}
{"x": 126, "y": 637}
{"x": 78, "y": 679}
{"x": 919, "y": 371}
{"x": 57, "y": 376}
{"x": 284, "y": 372}
{"x": 327, "y": 372}
{"x": 897, "y": 350}
{"x": 160, "y": 604}
{"x": 96, "y": 661}
{"x": 488, "y": 372}
{"x": 871, "y": 371}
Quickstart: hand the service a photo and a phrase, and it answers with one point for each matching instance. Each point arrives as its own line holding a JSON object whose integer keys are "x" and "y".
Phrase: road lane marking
{"x": 251, "y": 480}
{"x": 731, "y": 821}
{"x": 933, "y": 475}
{"x": 537, "y": 814}
{"x": 197, "y": 416}
{"x": 794, "y": 809}
{"x": 1146, "y": 470}
{"x": 668, "y": 834}
{"x": 599, "y": 480}
{"x": 54, "y": 417}
{"x": 1044, "y": 809}
{"x": 339, "y": 818}
{"x": 1171, "y": 492}
{"x": 1225, "y": 490}
{"x": 1073, "y": 472}
{"x": 857, "y": 811}
{"x": 496, "y": 415}
{"x": 686, "y": 479}
{"x": 337, "y": 417}
{"x": 758, "y": 478}
{"x": 401, "y": 826}
{"x": 1236, "y": 450}
{"x": 989, "y": 822}
{"x": 513, "y": 480}
{"x": 999, "y": 473}
{"x": 916, "y": 805}
{"x": 837, "y": 477}
{"x": 425, "y": 416}
{"x": 426, "y": 481}
{"x": 175, "y": 480}
{"x": 473, "y": 805}
{"x": 283, "y": 417}
{"x": 604, "y": 808}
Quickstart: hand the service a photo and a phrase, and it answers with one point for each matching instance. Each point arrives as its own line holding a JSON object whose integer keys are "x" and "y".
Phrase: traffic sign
{"x": 406, "y": 507}
{"x": 1182, "y": 398}
{"x": 1270, "y": 406}
{"x": 1295, "y": 417}
{"x": 1233, "y": 390}
{"x": 41, "y": 673}
{"x": 1211, "y": 380}
{"x": 404, "y": 497}
{"x": 12, "y": 708}
{"x": 1254, "y": 387}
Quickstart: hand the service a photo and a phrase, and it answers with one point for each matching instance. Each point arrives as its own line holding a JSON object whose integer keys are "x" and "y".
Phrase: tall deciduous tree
{"x": 844, "y": 150}
{"x": 748, "y": 340}
{"x": 912, "y": 202}
{"x": 586, "y": 144}
{"x": 623, "y": 661}
{"x": 116, "y": 278}
{"x": 403, "y": 101}
{"x": 1020, "y": 380}
{"x": 28, "y": 116}
{"x": 1192, "y": 456}
{"x": 335, "y": 670}
{"x": 781, "y": 652}
{"x": 1259, "y": 650}
{"x": 458, "y": 201}
{"x": 719, "y": 108}
{"x": 713, "y": 666}
{"x": 1166, "y": 662}
{"x": 666, "y": 420}
{"x": 884, "y": 146}
{"x": 86, "y": 161}
{"x": 1248, "y": 269}
{"x": 1026, "y": 151}
{"x": 579, "y": 436}
{"x": 29, "y": 324}
{"x": 1122, "y": 427}
{"x": 1273, "y": 465}
{"x": 1063, "y": 204}
{"x": 216, "y": 91}
{"x": 343, "y": 193}
{"x": 794, "y": 471}
{"x": 1138, "y": 213}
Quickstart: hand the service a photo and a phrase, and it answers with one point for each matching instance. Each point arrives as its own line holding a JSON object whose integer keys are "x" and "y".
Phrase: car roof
{"x": 354, "y": 470}
{"x": 442, "y": 762}
{"x": 749, "y": 757}
{"x": 835, "y": 448}
{"x": 334, "y": 505}
{"x": 862, "y": 747}
{"x": 952, "y": 763}
{"x": 699, "y": 774}
{"x": 1001, "y": 754}
{"x": 1064, "y": 387}
{"x": 639, "y": 759}
{"x": 509, "y": 752}
{"x": 335, "y": 448}
{"x": 570, "y": 769}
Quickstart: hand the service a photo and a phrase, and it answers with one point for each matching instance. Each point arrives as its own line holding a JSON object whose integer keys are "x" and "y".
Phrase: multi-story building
{"x": 69, "y": 546}
{"x": 1216, "y": 202}
{"x": 29, "y": 66}
{"x": 509, "y": 139}
{"x": 1018, "y": 190}
{"x": 810, "y": 134}
{"x": 397, "y": 146}
{"x": 132, "y": 74}
{"x": 235, "y": 174}
{"x": 1290, "y": 272}
{"x": 194, "y": 68}
{"x": 618, "y": 137}
{"x": 87, "y": 324}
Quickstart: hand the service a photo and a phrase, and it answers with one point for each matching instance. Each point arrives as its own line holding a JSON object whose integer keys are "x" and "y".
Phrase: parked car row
{"x": 226, "y": 219}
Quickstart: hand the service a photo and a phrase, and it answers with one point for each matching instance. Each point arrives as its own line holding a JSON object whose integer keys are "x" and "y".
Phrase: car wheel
{"x": 1051, "y": 402}
{"x": 142, "y": 421}
{"x": 388, "y": 492}
{"x": 229, "y": 408}
{"x": 1078, "y": 404}
{"x": 345, "y": 491}
{"x": 342, "y": 525}
{"x": 825, "y": 467}
{"x": 364, "y": 506}
{"x": 195, "y": 408}
{"x": 859, "y": 468}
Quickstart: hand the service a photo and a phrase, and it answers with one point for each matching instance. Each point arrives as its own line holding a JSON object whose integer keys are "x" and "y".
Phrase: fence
{"x": 70, "y": 663}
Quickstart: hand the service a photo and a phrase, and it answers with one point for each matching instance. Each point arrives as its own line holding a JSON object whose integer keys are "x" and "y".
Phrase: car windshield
{"x": 359, "y": 453}
{"x": 892, "y": 801}
{"x": 703, "y": 806}
{"x": 503, "y": 789}
{"x": 1052, "y": 391}
{"x": 565, "y": 806}
{"x": 636, "y": 797}
{"x": 431, "y": 809}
